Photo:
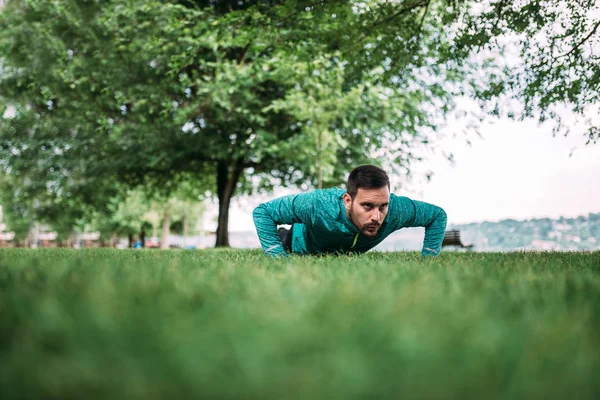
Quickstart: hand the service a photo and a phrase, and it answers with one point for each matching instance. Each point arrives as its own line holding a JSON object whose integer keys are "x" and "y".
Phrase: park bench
{"x": 452, "y": 238}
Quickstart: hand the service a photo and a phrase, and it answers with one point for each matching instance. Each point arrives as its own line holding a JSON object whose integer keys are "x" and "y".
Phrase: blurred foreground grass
{"x": 126, "y": 324}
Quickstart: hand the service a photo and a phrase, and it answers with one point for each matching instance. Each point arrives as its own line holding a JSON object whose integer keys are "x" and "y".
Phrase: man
{"x": 346, "y": 221}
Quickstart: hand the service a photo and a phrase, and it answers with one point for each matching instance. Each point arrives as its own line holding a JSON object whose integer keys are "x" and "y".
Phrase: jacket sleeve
{"x": 414, "y": 213}
{"x": 291, "y": 209}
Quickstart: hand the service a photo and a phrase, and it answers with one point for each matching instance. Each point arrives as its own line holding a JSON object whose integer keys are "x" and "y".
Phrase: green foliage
{"x": 138, "y": 209}
{"x": 558, "y": 67}
{"x": 17, "y": 219}
{"x": 228, "y": 324}
{"x": 23, "y": 206}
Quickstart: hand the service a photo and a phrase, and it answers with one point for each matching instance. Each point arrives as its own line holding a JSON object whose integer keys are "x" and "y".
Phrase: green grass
{"x": 92, "y": 324}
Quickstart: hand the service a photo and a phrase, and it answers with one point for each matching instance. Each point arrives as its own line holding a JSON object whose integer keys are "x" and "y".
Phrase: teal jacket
{"x": 322, "y": 226}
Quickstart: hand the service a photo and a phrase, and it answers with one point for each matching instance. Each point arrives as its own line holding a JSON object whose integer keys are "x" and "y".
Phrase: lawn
{"x": 149, "y": 324}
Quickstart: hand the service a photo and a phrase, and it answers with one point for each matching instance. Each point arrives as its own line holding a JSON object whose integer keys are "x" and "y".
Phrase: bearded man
{"x": 343, "y": 221}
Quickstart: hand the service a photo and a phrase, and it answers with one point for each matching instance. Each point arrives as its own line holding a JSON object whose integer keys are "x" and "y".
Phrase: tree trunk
{"x": 227, "y": 179}
{"x": 164, "y": 241}
{"x": 185, "y": 229}
{"x": 32, "y": 237}
{"x": 143, "y": 237}
{"x": 130, "y": 240}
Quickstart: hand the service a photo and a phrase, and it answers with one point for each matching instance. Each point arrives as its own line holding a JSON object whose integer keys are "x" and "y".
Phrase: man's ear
{"x": 347, "y": 201}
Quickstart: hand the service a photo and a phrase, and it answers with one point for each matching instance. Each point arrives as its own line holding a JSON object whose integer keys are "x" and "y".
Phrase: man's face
{"x": 368, "y": 209}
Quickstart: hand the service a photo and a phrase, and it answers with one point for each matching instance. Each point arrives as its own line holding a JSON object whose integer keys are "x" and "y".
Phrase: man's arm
{"x": 284, "y": 210}
{"x": 418, "y": 213}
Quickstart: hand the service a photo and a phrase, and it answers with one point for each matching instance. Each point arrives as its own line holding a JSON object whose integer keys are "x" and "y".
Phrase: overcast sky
{"x": 518, "y": 170}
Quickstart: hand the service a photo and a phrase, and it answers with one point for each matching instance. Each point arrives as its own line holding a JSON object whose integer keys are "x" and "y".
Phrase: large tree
{"x": 254, "y": 93}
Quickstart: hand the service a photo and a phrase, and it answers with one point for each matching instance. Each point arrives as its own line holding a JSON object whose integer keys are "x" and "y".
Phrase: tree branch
{"x": 243, "y": 56}
{"x": 578, "y": 45}
{"x": 290, "y": 15}
{"x": 419, "y": 30}
{"x": 402, "y": 11}
{"x": 499, "y": 11}
{"x": 422, "y": 19}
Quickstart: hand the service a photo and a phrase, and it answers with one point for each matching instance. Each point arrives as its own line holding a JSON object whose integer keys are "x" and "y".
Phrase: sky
{"x": 517, "y": 170}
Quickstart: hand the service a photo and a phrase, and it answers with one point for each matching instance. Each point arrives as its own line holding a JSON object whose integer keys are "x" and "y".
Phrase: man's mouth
{"x": 372, "y": 228}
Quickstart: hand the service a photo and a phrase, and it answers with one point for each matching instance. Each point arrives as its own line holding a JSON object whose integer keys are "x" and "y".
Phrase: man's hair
{"x": 366, "y": 177}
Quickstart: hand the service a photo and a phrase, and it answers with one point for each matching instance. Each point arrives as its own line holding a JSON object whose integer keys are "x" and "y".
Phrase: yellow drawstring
{"x": 355, "y": 239}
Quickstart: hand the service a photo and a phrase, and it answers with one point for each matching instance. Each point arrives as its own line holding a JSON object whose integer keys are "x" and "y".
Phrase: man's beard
{"x": 364, "y": 228}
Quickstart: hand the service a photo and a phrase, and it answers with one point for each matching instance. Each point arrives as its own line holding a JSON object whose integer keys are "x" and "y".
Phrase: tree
{"x": 139, "y": 210}
{"x": 251, "y": 93}
{"x": 179, "y": 209}
{"x": 555, "y": 47}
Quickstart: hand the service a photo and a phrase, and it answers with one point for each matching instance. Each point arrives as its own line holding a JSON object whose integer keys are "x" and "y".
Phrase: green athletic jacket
{"x": 320, "y": 224}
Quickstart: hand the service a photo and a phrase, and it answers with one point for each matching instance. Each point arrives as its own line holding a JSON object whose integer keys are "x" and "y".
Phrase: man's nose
{"x": 376, "y": 215}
